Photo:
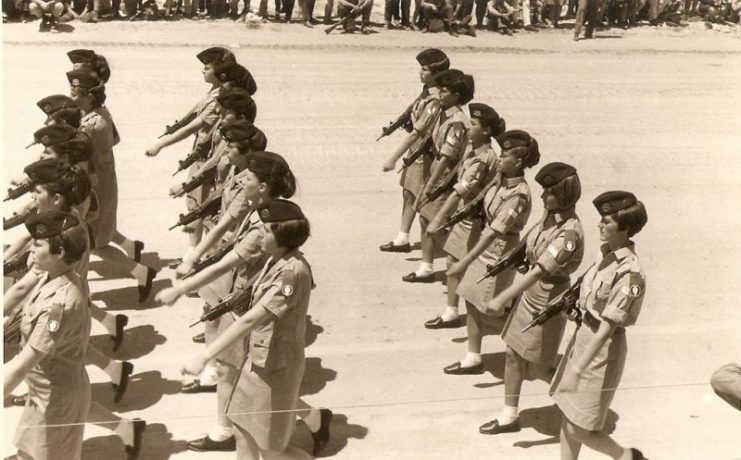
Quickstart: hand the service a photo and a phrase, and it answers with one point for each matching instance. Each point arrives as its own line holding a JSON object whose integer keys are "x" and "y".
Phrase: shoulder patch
{"x": 55, "y": 317}
{"x": 635, "y": 285}
{"x": 287, "y": 290}
{"x": 570, "y": 239}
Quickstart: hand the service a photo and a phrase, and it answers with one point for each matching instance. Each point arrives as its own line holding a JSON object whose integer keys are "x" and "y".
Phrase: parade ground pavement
{"x": 654, "y": 111}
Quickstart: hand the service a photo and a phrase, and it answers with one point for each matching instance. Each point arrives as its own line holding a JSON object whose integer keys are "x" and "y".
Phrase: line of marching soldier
{"x": 72, "y": 214}
{"x": 464, "y": 175}
{"x": 244, "y": 262}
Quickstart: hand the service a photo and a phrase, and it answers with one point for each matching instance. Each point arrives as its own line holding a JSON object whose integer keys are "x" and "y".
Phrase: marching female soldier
{"x": 506, "y": 208}
{"x": 265, "y": 396}
{"x": 611, "y": 296}
{"x": 449, "y": 140}
{"x": 424, "y": 111}
{"x": 88, "y": 92}
{"x": 554, "y": 250}
{"x": 477, "y": 170}
{"x": 55, "y": 329}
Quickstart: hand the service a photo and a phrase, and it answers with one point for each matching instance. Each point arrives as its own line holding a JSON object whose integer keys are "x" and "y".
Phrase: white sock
{"x": 220, "y": 433}
{"x": 401, "y": 239}
{"x": 113, "y": 369}
{"x": 314, "y": 420}
{"x": 125, "y": 431}
{"x": 210, "y": 375}
{"x": 509, "y": 414}
{"x": 471, "y": 359}
{"x": 450, "y": 313}
{"x": 425, "y": 268}
{"x": 140, "y": 273}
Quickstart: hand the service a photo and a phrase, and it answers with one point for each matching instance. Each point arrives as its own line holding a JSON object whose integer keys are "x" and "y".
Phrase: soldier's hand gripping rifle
{"x": 19, "y": 191}
{"x": 196, "y": 182}
{"x": 210, "y": 260}
{"x": 564, "y": 302}
{"x": 404, "y": 120}
{"x": 473, "y": 207}
{"x": 17, "y": 219}
{"x": 442, "y": 187}
{"x": 354, "y": 13}
{"x": 185, "y": 121}
{"x": 237, "y": 301}
{"x": 515, "y": 258}
{"x": 16, "y": 265}
{"x": 200, "y": 152}
{"x": 421, "y": 150}
{"x": 205, "y": 210}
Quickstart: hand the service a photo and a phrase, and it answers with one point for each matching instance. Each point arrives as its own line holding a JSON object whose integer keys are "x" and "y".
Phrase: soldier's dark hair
{"x": 74, "y": 242}
{"x": 291, "y": 234}
{"x": 68, "y": 115}
{"x": 567, "y": 191}
{"x": 73, "y": 186}
{"x": 279, "y": 186}
{"x": 631, "y": 219}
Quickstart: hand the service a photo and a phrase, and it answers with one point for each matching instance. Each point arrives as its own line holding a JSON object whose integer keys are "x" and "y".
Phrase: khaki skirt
{"x": 463, "y": 237}
{"x": 413, "y": 177}
{"x": 479, "y": 294}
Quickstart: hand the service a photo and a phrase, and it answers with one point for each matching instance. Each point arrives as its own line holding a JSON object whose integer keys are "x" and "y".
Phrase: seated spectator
{"x": 353, "y": 9}
{"x": 51, "y": 13}
{"x": 502, "y": 17}
{"x": 438, "y": 14}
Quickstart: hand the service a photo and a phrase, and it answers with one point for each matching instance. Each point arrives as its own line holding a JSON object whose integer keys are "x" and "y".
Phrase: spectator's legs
{"x": 591, "y": 18}
{"x": 288, "y": 9}
{"x": 328, "y": 11}
{"x": 579, "y": 22}
{"x": 405, "y": 6}
{"x": 480, "y": 12}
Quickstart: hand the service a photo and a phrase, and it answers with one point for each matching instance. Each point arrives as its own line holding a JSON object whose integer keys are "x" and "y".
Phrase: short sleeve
{"x": 248, "y": 248}
{"x": 48, "y": 330}
{"x": 426, "y": 119}
{"x": 625, "y": 300}
{"x": 279, "y": 298}
{"x": 455, "y": 141}
{"x": 208, "y": 113}
{"x": 508, "y": 214}
{"x": 239, "y": 207}
{"x": 559, "y": 252}
{"x": 470, "y": 179}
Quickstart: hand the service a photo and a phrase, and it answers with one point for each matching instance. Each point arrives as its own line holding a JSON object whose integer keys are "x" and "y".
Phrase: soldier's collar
{"x": 450, "y": 111}
{"x": 620, "y": 253}
{"x": 483, "y": 148}
{"x": 562, "y": 215}
{"x": 510, "y": 182}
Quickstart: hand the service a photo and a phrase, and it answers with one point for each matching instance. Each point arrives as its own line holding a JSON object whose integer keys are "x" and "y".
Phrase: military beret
{"x": 238, "y": 74}
{"x": 44, "y": 171}
{"x": 83, "y": 78}
{"x": 553, "y": 173}
{"x": 237, "y": 131}
{"x": 433, "y": 58}
{"x": 50, "y": 223}
{"x": 51, "y": 104}
{"x": 54, "y": 134}
{"x": 514, "y": 138}
{"x": 81, "y": 56}
{"x": 215, "y": 55}
{"x": 488, "y": 116}
{"x": 267, "y": 163}
{"x": 279, "y": 210}
{"x": 613, "y": 201}
{"x": 235, "y": 99}
{"x": 458, "y": 82}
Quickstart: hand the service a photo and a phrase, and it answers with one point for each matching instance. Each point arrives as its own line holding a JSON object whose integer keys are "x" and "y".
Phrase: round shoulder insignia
{"x": 635, "y": 290}
{"x": 53, "y": 326}
{"x": 287, "y": 290}
{"x": 569, "y": 246}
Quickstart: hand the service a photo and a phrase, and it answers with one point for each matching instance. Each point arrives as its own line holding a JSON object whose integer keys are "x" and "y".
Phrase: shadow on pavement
{"x": 144, "y": 390}
{"x": 157, "y": 444}
{"x": 127, "y": 298}
{"x": 138, "y": 341}
{"x": 315, "y": 377}
{"x": 340, "y": 433}
{"x": 547, "y": 420}
{"x": 312, "y": 331}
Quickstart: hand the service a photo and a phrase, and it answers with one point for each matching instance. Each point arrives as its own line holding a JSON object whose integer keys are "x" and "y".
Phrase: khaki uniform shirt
{"x": 557, "y": 245}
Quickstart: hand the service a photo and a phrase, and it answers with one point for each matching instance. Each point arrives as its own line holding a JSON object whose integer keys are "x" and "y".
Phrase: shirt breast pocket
{"x": 602, "y": 293}
{"x": 259, "y": 348}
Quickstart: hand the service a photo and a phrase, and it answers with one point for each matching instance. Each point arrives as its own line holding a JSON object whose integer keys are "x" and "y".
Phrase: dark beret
{"x": 51, "y": 104}
{"x": 54, "y": 134}
{"x": 457, "y": 82}
{"x": 83, "y": 78}
{"x": 613, "y": 201}
{"x": 433, "y": 58}
{"x": 514, "y": 138}
{"x": 488, "y": 116}
{"x": 239, "y": 130}
{"x": 215, "y": 55}
{"x": 50, "y": 223}
{"x": 81, "y": 56}
{"x": 45, "y": 171}
{"x": 279, "y": 210}
{"x": 238, "y": 74}
{"x": 267, "y": 163}
{"x": 553, "y": 173}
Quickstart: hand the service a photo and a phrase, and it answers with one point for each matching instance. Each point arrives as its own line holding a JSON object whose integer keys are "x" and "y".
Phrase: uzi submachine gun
{"x": 515, "y": 258}
{"x": 16, "y": 265}
{"x": 237, "y": 302}
{"x": 185, "y": 121}
{"x": 200, "y": 152}
{"x": 445, "y": 185}
{"x": 421, "y": 150}
{"x": 205, "y": 210}
{"x": 196, "y": 182}
{"x": 404, "y": 120}
{"x": 210, "y": 260}
{"x": 16, "y": 219}
{"x": 19, "y": 191}
{"x": 564, "y": 302}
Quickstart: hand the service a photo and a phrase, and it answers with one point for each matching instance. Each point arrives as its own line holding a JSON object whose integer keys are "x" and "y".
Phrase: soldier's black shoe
{"x": 120, "y": 388}
{"x": 457, "y": 369}
{"x": 138, "y": 248}
{"x": 391, "y": 247}
{"x": 121, "y": 322}
{"x": 494, "y": 427}
{"x": 321, "y": 437}
{"x": 439, "y": 323}
{"x": 637, "y": 454}
{"x": 132, "y": 452}
{"x": 200, "y": 338}
{"x": 145, "y": 290}
{"x": 414, "y": 278}
{"x": 206, "y": 444}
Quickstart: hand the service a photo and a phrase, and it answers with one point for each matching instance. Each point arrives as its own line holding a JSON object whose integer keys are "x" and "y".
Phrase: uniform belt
{"x": 590, "y": 320}
{"x": 555, "y": 279}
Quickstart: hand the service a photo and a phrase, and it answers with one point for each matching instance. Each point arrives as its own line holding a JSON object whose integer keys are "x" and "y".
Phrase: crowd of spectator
{"x": 456, "y": 17}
